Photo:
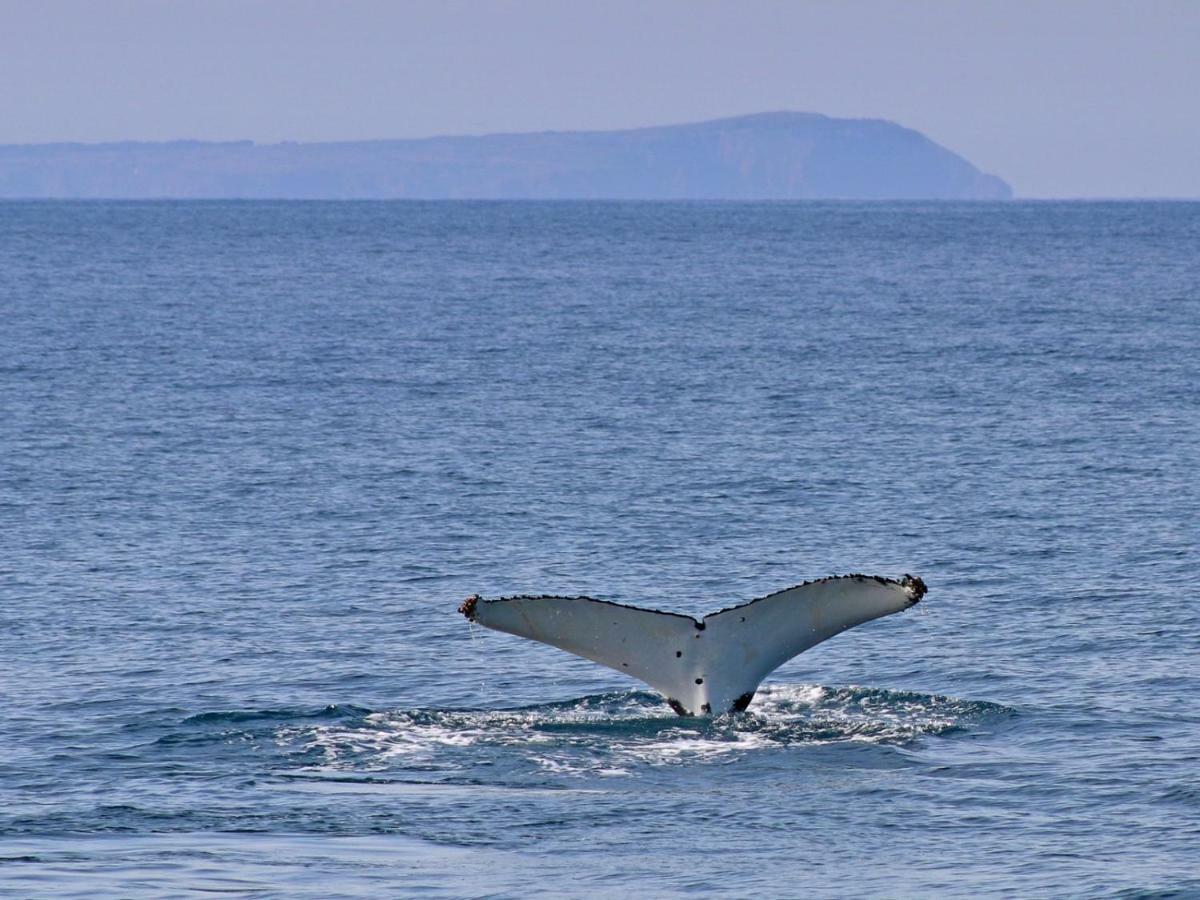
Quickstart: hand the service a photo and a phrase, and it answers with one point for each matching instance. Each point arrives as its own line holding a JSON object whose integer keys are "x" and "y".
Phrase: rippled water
{"x": 254, "y": 455}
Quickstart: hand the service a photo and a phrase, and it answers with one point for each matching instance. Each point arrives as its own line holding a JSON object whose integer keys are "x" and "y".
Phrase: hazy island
{"x": 768, "y": 156}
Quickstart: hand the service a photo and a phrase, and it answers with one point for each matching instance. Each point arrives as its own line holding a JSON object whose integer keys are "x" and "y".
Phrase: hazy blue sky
{"x": 1091, "y": 99}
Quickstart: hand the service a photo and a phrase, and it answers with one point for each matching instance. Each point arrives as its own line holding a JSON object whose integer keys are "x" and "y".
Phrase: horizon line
{"x": 677, "y": 201}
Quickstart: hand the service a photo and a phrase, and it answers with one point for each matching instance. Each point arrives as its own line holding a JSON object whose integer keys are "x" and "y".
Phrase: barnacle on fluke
{"x": 734, "y": 653}
{"x": 468, "y": 606}
{"x": 916, "y": 586}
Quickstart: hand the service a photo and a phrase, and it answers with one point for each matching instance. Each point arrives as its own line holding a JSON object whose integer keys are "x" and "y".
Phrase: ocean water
{"x": 253, "y": 456}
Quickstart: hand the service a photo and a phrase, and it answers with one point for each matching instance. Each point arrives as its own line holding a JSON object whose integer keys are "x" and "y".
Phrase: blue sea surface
{"x": 254, "y": 455}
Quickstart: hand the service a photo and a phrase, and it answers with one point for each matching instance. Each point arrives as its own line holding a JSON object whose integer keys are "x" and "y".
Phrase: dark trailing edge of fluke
{"x": 710, "y": 665}
{"x": 912, "y": 582}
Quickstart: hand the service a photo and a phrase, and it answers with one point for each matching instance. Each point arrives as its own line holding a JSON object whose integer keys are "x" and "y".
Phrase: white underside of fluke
{"x": 706, "y": 667}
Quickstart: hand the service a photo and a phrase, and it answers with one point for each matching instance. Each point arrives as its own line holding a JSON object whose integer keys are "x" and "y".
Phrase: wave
{"x": 239, "y": 716}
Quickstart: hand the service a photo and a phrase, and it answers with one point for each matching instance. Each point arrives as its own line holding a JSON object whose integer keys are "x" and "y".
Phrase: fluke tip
{"x": 468, "y": 607}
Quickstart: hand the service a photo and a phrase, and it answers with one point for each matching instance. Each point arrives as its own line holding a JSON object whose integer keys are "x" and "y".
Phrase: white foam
{"x": 612, "y": 736}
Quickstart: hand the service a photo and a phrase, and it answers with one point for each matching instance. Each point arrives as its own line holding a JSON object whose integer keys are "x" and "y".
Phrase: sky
{"x": 1060, "y": 98}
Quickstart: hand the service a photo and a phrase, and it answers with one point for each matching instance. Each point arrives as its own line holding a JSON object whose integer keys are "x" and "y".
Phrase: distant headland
{"x": 767, "y": 156}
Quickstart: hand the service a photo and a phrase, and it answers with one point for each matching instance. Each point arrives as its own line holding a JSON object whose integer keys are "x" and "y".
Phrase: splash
{"x": 618, "y": 733}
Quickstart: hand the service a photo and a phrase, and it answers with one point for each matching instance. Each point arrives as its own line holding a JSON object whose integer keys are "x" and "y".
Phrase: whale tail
{"x": 703, "y": 666}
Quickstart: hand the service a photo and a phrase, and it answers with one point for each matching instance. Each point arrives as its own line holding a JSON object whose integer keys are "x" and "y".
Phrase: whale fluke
{"x": 708, "y": 666}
